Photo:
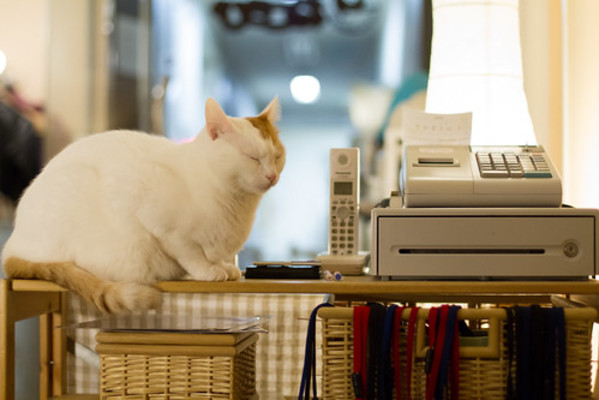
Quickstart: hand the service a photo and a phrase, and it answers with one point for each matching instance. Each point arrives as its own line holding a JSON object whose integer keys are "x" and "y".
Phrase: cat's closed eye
{"x": 256, "y": 159}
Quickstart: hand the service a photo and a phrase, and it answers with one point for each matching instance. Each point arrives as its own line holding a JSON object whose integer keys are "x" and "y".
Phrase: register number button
{"x": 537, "y": 174}
{"x": 494, "y": 173}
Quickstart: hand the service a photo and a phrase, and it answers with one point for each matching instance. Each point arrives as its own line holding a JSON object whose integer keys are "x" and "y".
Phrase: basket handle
{"x": 491, "y": 350}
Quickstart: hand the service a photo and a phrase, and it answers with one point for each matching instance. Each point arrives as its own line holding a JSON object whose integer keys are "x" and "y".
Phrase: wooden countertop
{"x": 355, "y": 285}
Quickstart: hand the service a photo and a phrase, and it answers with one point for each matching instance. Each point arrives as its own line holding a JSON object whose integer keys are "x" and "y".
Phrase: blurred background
{"x": 69, "y": 68}
{"x": 151, "y": 65}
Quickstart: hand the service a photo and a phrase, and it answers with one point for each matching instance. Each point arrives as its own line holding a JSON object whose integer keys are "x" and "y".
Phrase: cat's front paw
{"x": 211, "y": 273}
{"x": 221, "y": 271}
{"x": 233, "y": 272}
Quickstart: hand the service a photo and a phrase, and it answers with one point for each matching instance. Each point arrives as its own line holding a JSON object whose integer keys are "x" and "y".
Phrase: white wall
{"x": 561, "y": 79}
{"x": 49, "y": 58}
{"x": 540, "y": 32}
{"x": 69, "y": 65}
{"x": 24, "y": 40}
{"x": 581, "y": 101}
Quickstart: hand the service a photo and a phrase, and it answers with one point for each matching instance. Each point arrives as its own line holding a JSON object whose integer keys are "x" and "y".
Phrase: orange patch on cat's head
{"x": 266, "y": 128}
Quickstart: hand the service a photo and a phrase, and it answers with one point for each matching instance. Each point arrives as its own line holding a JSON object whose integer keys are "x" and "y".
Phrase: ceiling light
{"x": 2, "y": 62}
{"x": 305, "y": 89}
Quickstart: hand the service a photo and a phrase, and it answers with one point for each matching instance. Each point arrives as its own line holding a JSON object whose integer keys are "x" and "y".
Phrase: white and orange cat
{"x": 115, "y": 212}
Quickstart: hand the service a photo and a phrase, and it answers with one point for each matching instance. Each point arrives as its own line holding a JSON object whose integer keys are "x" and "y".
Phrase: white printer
{"x": 481, "y": 213}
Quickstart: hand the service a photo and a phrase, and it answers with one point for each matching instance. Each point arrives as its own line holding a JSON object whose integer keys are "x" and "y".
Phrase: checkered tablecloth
{"x": 280, "y": 352}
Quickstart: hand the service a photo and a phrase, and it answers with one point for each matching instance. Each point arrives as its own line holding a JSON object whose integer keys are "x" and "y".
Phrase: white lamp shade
{"x": 476, "y": 66}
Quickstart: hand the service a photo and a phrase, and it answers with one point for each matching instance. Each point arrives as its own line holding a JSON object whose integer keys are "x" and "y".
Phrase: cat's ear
{"x": 217, "y": 122}
{"x": 272, "y": 111}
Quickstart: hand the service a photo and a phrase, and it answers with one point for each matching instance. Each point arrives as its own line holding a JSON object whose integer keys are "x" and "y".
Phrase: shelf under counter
{"x": 26, "y": 298}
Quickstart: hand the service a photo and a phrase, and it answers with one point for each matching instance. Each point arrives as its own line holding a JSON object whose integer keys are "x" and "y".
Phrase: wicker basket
{"x": 177, "y": 366}
{"x": 483, "y": 368}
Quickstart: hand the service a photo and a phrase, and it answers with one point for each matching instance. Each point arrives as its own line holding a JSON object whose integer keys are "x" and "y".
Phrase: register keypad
{"x": 512, "y": 165}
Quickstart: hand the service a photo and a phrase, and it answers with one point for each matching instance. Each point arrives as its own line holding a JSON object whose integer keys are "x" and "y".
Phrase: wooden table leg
{"x": 7, "y": 344}
{"x": 52, "y": 354}
{"x": 16, "y": 306}
{"x": 45, "y": 356}
{"x": 59, "y": 348}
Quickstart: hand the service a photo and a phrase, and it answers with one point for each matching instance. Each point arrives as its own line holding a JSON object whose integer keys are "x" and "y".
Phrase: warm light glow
{"x": 2, "y": 62}
{"x": 305, "y": 89}
{"x": 476, "y": 66}
{"x": 581, "y": 141}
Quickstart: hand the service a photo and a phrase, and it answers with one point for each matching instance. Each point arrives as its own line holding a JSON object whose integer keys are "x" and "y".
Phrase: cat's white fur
{"x": 118, "y": 211}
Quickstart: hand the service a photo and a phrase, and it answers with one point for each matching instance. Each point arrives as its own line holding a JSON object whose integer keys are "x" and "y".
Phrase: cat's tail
{"x": 107, "y": 296}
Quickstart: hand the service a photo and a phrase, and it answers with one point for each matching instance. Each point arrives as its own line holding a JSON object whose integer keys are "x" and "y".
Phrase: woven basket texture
{"x": 480, "y": 377}
{"x": 181, "y": 376}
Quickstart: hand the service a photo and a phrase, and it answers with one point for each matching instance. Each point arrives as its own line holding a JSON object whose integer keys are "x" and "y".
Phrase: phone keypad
{"x": 512, "y": 165}
{"x": 343, "y": 227}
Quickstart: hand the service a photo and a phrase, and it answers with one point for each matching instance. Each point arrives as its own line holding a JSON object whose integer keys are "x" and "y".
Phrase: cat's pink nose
{"x": 271, "y": 178}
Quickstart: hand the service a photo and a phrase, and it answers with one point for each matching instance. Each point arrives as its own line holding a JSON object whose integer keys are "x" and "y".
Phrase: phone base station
{"x": 353, "y": 264}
